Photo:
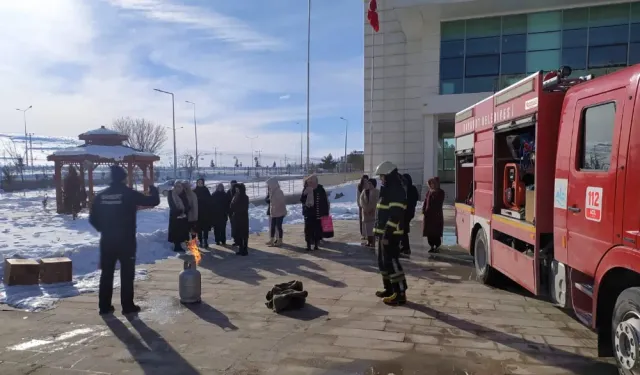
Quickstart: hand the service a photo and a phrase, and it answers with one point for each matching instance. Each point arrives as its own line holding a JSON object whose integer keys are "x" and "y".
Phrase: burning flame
{"x": 192, "y": 245}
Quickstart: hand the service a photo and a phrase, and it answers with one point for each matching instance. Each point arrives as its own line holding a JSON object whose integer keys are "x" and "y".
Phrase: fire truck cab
{"x": 547, "y": 181}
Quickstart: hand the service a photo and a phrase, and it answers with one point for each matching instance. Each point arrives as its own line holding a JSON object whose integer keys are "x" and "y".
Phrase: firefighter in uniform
{"x": 389, "y": 229}
{"x": 113, "y": 214}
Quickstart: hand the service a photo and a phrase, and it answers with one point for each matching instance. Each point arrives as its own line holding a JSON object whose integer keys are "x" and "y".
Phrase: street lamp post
{"x": 251, "y": 140}
{"x": 346, "y": 129}
{"x": 175, "y": 152}
{"x": 26, "y": 137}
{"x": 301, "y": 146}
{"x": 195, "y": 130}
{"x": 308, "y": 74}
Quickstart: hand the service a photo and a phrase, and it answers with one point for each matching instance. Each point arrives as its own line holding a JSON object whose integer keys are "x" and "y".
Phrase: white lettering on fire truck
{"x": 502, "y": 114}
{"x": 593, "y": 204}
{"x": 531, "y": 103}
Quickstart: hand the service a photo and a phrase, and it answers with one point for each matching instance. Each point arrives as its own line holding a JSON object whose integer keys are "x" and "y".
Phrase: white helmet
{"x": 385, "y": 168}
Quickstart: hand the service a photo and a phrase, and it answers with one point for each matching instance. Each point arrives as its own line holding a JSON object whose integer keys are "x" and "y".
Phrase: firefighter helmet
{"x": 385, "y": 168}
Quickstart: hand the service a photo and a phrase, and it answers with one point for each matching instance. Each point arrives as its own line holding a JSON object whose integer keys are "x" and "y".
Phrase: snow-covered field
{"x": 27, "y": 230}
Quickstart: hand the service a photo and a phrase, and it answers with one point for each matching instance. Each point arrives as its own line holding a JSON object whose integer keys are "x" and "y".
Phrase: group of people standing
{"x": 194, "y": 213}
{"x": 385, "y": 218}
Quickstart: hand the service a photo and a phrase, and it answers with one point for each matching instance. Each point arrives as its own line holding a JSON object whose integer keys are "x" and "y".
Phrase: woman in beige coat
{"x": 277, "y": 211}
{"x": 368, "y": 200}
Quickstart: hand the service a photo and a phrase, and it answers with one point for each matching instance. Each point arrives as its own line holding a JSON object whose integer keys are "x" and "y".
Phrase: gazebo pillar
{"x": 90, "y": 177}
{"x": 151, "y": 176}
{"x": 143, "y": 167}
{"x": 130, "y": 174}
{"x": 81, "y": 168}
{"x": 58, "y": 180}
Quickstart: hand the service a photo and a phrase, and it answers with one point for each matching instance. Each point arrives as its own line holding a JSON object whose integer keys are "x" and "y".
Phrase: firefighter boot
{"x": 395, "y": 299}
{"x": 384, "y": 293}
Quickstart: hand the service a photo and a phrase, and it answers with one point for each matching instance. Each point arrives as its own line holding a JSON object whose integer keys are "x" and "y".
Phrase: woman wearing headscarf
{"x": 368, "y": 201}
{"x": 204, "y": 212}
{"x": 179, "y": 208}
{"x": 192, "y": 215}
{"x": 433, "y": 223}
{"x": 315, "y": 205}
{"x": 361, "y": 186}
{"x": 240, "y": 219}
{"x": 220, "y": 202}
{"x": 412, "y": 201}
{"x": 277, "y": 211}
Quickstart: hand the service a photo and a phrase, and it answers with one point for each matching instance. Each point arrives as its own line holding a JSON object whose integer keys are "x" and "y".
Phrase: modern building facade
{"x": 433, "y": 58}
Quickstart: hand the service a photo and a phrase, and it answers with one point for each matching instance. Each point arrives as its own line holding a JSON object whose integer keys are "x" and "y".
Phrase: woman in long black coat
{"x": 204, "y": 212}
{"x": 240, "y": 219}
{"x": 179, "y": 209}
{"x": 315, "y": 205}
{"x": 220, "y": 202}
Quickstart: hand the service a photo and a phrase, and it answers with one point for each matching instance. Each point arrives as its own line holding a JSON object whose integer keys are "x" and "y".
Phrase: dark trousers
{"x": 393, "y": 278}
{"x": 276, "y": 224}
{"x": 312, "y": 230}
{"x": 434, "y": 241}
{"x": 203, "y": 235}
{"x": 243, "y": 242}
{"x": 108, "y": 259}
{"x": 220, "y": 232}
{"x": 360, "y": 221}
{"x": 404, "y": 241}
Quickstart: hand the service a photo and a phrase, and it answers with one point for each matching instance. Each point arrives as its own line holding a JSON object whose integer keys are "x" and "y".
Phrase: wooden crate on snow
{"x": 21, "y": 272}
{"x": 55, "y": 270}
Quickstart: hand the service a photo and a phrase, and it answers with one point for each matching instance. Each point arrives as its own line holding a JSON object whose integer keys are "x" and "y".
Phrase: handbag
{"x": 327, "y": 226}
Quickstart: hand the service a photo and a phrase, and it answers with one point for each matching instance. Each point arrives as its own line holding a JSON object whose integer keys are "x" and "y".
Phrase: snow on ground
{"x": 27, "y": 230}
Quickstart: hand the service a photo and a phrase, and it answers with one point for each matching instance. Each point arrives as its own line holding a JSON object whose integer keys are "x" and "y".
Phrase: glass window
{"x": 516, "y": 24}
{"x": 514, "y": 63}
{"x": 609, "y": 15}
{"x": 543, "y": 22}
{"x": 454, "y": 48}
{"x": 576, "y": 58}
{"x": 574, "y": 38}
{"x": 449, "y": 154}
{"x": 482, "y": 66}
{"x": 598, "y": 124}
{"x": 601, "y": 57}
{"x": 635, "y": 12}
{"x": 602, "y": 36}
{"x": 451, "y": 86}
{"x": 635, "y": 32}
{"x": 451, "y": 68}
{"x": 481, "y": 84}
{"x": 543, "y": 60}
{"x": 575, "y": 18}
{"x": 483, "y": 46}
{"x": 544, "y": 41}
{"x": 483, "y": 27}
{"x": 508, "y": 80}
{"x": 452, "y": 30}
{"x": 634, "y": 53}
{"x": 514, "y": 43}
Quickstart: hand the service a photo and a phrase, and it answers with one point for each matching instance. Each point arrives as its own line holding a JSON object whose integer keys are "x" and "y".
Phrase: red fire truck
{"x": 546, "y": 171}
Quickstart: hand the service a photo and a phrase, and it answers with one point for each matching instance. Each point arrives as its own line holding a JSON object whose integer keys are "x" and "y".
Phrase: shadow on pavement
{"x": 157, "y": 355}
{"x": 245, "y": 269}
{"x": 563, "y": 359}
{"x": 307, "y": 313}
{"x": 209, "y": 314}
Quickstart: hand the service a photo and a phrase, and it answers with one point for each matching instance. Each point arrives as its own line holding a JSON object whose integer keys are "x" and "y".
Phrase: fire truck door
{"x": 592, "y": 178}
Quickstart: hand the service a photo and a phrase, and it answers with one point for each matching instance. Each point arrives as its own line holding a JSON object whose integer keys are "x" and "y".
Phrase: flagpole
{"x": 308, "y": 75}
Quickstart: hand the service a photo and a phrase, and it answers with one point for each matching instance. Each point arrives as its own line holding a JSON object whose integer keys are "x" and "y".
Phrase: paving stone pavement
{"x": 452, "y": 325}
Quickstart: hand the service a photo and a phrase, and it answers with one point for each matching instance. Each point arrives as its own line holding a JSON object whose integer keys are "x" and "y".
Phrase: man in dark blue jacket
{"x": 113, "y": 214}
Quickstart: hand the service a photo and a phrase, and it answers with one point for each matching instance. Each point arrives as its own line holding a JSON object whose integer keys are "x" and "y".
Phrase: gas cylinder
{"x": 189, "y": 282}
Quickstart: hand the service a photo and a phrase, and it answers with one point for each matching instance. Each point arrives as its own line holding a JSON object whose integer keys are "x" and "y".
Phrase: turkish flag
{"x": 372, "y": 15}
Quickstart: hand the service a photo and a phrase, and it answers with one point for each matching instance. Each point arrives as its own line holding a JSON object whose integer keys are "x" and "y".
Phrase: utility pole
{"x": 308, "y": 75}
{"x": 195, "y": 130}
{"x": 26, "y": 137}
{"x": 251, "y": 139}
{"x": 31, "y": 148}
{"x": 215, "y": 156}
{"x": 346, "y": 129}
{"x": 175, "y": 152}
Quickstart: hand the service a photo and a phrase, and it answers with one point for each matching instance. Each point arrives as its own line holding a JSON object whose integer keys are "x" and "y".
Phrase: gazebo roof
{"x": 101, "y": 131}
{"x": 102, "y": 152}
{"x": 103, "y": 136}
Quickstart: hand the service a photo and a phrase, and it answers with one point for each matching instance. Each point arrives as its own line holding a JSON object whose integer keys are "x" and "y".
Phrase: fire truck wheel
{"x": 484, "y": 272}
{"x": 626, "y": 331}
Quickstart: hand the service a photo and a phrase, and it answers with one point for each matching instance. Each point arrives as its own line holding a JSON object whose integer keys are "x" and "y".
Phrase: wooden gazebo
{"x": 101, "y": 147}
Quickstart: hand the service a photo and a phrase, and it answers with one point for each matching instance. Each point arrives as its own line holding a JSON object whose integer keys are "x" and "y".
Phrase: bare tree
{"x": 143, "y": 134}
{"x": 13, "y": 163}
{"x": 188, "y": 162}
